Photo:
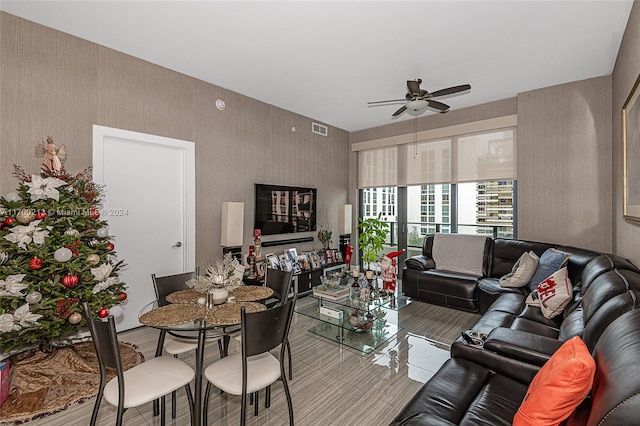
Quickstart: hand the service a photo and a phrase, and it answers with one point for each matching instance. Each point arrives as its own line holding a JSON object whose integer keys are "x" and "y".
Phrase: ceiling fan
{"x": 418, "y": 99}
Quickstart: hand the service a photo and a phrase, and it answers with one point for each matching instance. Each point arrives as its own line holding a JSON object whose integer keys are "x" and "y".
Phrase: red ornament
{"x": 123, "y": 296}
{"x": 41, "y": 215}
{"x": 103, "y": 313}
{"x": 95, "y": 213}
{"x": 110, "y": 246}
{"x": 35, "y": 263}
{"x": 70, "y": 280}
{"x": 8, "y": 221}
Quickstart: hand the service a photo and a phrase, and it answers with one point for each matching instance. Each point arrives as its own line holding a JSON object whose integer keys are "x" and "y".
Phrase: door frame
{"x": 100, "y": 133}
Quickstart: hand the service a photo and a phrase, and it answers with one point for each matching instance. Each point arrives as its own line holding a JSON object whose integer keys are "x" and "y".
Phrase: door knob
{"x": 178, "y": 244}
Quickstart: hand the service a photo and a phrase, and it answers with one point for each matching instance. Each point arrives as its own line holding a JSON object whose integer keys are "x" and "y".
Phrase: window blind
{"x": 474, "y": 157}
{"x": 378, "y": 167}
{"x": 486, "y": 156}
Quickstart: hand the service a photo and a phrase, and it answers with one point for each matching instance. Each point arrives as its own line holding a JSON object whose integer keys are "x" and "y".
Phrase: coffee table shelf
{"x": 341, "y": 331}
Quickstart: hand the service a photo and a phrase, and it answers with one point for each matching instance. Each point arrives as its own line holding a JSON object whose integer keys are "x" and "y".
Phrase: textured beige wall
{"x": 54, "y": 84}
{"x": 564, "y": 164}
{"x": 626, "y": 236}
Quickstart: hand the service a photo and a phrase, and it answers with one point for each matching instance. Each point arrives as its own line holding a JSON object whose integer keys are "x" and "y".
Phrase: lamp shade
{"x": 232, "y": 226}
{"x": 344, "y": 219}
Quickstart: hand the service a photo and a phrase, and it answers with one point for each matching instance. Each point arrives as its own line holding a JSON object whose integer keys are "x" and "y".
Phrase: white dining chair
{"x": 171, "y": 342}
{"x": 143, "y": 383}
{"x": 255, "y": 368}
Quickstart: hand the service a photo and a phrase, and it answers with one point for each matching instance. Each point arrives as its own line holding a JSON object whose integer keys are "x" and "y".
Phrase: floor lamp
{"x": 344, "y": 226}
{"x": 231, "y": 230}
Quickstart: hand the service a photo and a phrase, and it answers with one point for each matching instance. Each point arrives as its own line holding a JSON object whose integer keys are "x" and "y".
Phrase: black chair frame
{"x": 105, "y": 341}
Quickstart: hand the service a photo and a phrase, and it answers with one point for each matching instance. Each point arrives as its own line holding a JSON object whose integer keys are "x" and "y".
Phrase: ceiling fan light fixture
{"x": 417, "y": 104}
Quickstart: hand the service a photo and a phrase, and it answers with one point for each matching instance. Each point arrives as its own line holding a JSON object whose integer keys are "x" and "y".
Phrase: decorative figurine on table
{"x": 355, "y": 286}
{"x": 389, "y": 274}
{"x": 251, "y": 260}
{"x": 257, "y": 244}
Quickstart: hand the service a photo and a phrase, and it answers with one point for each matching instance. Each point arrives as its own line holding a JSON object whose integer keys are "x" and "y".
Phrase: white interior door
{"x": 149, "y": 187}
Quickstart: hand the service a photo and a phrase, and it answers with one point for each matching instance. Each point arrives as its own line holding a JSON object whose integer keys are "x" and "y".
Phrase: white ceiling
{"x": 326, "y": 60}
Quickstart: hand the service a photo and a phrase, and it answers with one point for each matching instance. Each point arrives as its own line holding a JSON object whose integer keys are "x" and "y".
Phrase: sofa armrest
{"x": 515, "y": 369}
{"x": 421, "y": 263}
{"x": 527, "y": 347}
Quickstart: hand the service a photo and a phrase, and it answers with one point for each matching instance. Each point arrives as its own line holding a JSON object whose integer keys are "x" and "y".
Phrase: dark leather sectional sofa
{"x": 486, "y": 384}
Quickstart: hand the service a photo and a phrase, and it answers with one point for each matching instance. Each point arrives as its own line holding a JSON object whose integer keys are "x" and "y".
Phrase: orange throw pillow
{"x": 559, "y": 387}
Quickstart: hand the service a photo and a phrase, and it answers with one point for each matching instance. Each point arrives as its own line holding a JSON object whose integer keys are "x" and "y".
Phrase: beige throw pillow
{"x": 522, "y": 271}
{"x": 554, "y": 293}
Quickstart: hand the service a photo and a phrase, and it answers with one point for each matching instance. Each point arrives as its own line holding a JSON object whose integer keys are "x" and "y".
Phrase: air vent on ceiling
{"x": 319, "y": 129}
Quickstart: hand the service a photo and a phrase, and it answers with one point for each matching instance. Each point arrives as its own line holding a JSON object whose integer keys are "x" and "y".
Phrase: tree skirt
{"x": 45, "y": 383}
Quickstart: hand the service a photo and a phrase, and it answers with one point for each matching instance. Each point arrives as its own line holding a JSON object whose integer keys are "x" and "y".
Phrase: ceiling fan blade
{"x": 438, "y": 105}
{"x": 398, "y": 112}
{"x": 450, "y": 90}
{"x": 414, "y": 86}
{"x": 383, "y": 102}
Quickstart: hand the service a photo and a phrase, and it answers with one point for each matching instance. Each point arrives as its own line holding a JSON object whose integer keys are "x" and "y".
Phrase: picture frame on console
{"x": 273, "y": 261}
{"x": 631, "y": 154}
{"x": 260, "y": 268}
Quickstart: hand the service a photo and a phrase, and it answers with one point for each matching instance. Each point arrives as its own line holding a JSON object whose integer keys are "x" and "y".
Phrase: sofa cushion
{"x": 522, "y": 271}
{"x": 550, "y": 261}
{"x": 463, "y": 392}
{"x": 559, "y": 387}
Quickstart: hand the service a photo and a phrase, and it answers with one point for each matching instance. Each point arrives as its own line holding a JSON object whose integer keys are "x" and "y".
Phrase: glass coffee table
{"x": 350, "y": 322}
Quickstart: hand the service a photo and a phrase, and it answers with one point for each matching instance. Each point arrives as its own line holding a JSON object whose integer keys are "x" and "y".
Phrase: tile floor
{"x": 331, "y": 385}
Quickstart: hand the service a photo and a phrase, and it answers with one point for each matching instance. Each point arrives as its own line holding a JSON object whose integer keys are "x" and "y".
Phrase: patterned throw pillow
{"x": 522, "y": 271}
{"x": 550, "y": 261}
{"x": 552, "y": 294}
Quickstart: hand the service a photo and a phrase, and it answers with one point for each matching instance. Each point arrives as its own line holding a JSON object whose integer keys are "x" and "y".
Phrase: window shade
{"x": 486, "y": 156}
{"x": 428, "y": 162}
{"x": 466, "y": 158}
{"x": 378, "y": 167}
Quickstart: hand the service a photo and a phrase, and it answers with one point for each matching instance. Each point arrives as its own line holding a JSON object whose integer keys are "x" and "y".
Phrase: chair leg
{"x": 256, "y": 405}
{"x": 96, "y": 407}
{"x": 267, "y": 397}
{"x": 287, "y": 394}
{"x": 190, "y": 401}
{"x": 163, "y": 410}
{"x": 243, "y": 410}
{"x": 173, "y": 404}
{"x": 220, "y": 348}
{"x": 120, "y": 413}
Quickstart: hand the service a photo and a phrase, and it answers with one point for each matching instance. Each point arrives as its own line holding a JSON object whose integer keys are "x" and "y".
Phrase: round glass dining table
{"x": 188, "y": 317}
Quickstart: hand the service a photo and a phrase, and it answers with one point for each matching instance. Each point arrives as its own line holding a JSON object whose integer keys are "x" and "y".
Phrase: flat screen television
{"x": 285, "y": 209}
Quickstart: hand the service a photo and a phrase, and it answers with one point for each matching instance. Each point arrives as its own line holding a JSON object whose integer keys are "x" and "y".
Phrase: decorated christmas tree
{"x": 55, "y": 254}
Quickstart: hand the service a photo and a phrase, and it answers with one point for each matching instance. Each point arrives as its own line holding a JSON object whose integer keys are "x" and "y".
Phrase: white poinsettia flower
{"x": 12, "y": 285}
{"x": 105, "y": 284}
{"x": 102, "y": 272}
{"x": 24, "y": 317}
{"x": 26, "y": 234}
{"x": 7, "y": 323}
{"x": 21, "y": 318}
{"x": 43, "y": 188}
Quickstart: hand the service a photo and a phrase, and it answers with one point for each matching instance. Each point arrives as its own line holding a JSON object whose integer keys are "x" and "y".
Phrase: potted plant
{"x": 373, "y": 234}
{"x": 324, "y": 235}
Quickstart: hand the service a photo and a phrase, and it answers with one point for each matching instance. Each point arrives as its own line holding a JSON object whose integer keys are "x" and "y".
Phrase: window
{"x": 452, "y": 183}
